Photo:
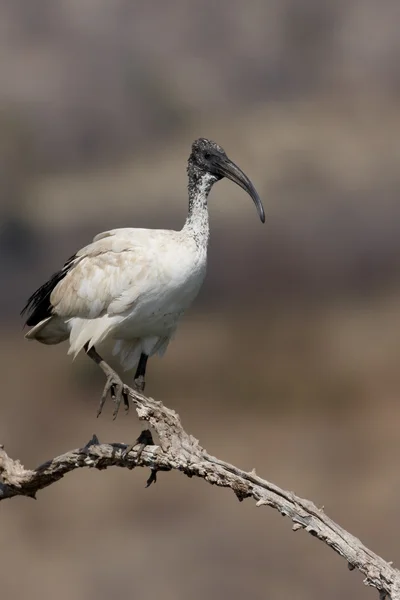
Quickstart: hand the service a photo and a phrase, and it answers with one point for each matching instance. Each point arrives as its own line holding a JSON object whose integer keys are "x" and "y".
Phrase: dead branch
{"x": 179, "y": 450}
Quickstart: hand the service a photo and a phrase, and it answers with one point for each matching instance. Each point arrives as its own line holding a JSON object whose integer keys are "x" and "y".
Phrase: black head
{"x": 209, "y": 158}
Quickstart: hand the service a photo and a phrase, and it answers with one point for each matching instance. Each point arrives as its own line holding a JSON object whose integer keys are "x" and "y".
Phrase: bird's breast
{"x": 181, "y": 276}
{"x": 174, "y": 282}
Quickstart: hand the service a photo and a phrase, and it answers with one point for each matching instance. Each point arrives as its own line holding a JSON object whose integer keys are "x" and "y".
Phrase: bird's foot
{"x": 139, "y": 384}
{"x": 144, "y": 439}
{"x": 119, "y": 392}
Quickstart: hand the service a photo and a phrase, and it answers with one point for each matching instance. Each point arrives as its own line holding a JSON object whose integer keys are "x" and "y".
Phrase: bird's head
{"x": 208, "y": 158}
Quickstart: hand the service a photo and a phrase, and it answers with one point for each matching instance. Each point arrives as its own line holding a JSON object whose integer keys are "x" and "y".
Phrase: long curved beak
{"x": 226, "y": 168}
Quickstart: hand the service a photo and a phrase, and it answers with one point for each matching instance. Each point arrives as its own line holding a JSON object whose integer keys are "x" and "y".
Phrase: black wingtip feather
{"x": 39, "y": 306}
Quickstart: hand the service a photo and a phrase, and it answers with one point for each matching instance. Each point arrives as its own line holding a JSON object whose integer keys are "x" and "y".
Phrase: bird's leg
{"x": 145, "y": 438}
{"x": 139, "y": 381}
{"x": 114, "y": 384}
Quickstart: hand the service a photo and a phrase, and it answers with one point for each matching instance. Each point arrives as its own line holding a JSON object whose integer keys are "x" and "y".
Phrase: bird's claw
{"x": 119, "y": 392}
{"x": 144, "y": 439}
{"x": 125, "y": 396}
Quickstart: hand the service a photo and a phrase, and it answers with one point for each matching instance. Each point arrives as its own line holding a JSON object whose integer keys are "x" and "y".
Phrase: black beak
{"x": 224, "y": 167}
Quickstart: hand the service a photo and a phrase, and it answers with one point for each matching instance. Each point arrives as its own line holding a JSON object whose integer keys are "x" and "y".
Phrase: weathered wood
{"x": 179, "y": 450}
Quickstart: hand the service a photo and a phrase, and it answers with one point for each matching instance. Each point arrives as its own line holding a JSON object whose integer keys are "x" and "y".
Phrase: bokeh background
{"x": 289, "y": 361}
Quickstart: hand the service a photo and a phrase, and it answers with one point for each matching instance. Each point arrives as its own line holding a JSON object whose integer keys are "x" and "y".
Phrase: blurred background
{"x": 289, "y": 360}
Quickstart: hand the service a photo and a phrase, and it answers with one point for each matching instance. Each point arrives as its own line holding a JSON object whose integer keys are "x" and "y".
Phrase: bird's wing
{"x": 107, "y": 276}
{"x": 111, "y": 272}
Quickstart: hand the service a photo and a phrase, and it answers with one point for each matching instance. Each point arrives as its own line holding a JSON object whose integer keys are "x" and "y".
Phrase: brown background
{"x": 289, "y": 360}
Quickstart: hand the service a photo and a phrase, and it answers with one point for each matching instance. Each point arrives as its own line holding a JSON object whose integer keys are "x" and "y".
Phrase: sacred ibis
{"x": 132, "y": 285}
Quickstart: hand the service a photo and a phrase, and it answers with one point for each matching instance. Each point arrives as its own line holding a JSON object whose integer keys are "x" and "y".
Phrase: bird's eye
{"x": 207, "y": 155}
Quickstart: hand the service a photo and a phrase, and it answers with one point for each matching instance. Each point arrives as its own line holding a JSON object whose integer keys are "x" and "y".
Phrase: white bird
{"x": 132, "y": 285}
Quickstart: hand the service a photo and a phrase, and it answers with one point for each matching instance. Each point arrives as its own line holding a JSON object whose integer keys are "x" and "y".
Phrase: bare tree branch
{"x": 179, "y": 450}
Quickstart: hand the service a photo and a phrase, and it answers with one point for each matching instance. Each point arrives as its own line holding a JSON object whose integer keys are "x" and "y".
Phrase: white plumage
{"x": 129, "y": 284}
{"x": 132, "y": 285}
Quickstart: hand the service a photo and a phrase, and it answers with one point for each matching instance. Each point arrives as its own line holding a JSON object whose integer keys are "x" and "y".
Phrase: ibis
{"x": 132, "y": 285}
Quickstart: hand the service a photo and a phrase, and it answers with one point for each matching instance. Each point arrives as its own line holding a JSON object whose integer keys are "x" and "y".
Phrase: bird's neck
{"x": 197, "y": 223}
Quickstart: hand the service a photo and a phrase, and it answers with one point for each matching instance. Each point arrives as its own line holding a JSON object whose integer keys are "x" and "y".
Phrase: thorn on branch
{"x": 93, "y": 442}
{"x": 261, "y": 502}
{"x": 350, "y": 567}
